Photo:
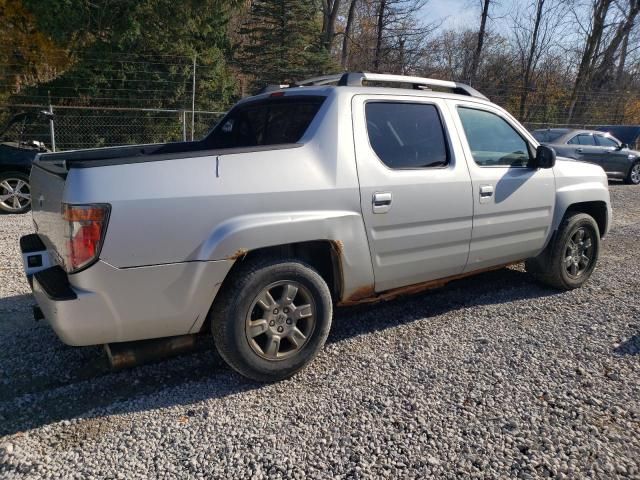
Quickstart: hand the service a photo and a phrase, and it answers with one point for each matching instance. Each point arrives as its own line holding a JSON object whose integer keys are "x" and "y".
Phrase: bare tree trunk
{"x": 530, "y": 57}
{"x": 475, "y": 62}
{"x": 600, "y": 10}
{"x": 379, "y": 34}
{"x": 347, "y": 33}
{"x": 330, "y": 10}
{"x": 623, "y": 59}
{"x": 604, "y": 70}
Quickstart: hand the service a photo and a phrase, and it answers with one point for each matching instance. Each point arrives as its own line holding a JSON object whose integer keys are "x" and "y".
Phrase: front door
{"x": 587, "y": 150}
{"x": 415, "y": 189}
{"x": 616, "y": 158}
{"x": 513, "y": 203}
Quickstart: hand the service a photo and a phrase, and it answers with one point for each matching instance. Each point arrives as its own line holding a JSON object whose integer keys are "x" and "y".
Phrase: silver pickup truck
{"x": 335, "y": 191}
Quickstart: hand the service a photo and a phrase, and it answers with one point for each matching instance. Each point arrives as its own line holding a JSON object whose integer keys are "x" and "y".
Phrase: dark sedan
{"x": 16, "y": 155}
{"x": 594, "y": 146}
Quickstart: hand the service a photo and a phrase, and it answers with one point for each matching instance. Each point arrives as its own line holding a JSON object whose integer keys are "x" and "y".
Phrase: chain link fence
{"x": 89, "y": 127}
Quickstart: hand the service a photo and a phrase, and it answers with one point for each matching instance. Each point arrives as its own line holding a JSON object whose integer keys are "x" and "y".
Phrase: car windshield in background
{"x": 546, "y": 136}
{"x": 274, "y": 121}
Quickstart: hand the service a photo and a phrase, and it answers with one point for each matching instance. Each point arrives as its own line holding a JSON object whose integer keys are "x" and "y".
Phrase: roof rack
{"x": 322, "y": 80}
{"x": 356, "y": 79}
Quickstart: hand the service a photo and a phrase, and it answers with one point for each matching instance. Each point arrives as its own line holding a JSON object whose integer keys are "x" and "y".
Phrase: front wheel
{"x": 271, "y": 318}
{"x": 571, "y": 257}
{"x": 634, "y": 174}
{"x": 15, "y": 192}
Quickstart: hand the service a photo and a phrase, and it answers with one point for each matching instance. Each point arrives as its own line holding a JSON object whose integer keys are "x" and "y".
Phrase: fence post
{"x": 193, "y": 99}
{"x": 184, "y": 125}
{"x": 52, "y": 129}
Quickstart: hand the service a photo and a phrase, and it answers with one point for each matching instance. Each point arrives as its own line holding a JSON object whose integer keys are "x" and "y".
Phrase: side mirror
{"x": 622, "y": 146}
{"x": 545, "y": 157}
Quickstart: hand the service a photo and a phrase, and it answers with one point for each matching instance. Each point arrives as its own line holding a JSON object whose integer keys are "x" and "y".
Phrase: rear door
{"x": 513, "y": 203}
{"x": 415, "y": 189}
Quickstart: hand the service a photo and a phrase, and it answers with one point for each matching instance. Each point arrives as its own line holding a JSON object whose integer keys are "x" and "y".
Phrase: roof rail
{"x": 322, "y": 80}
{"x": 357, "y": 78}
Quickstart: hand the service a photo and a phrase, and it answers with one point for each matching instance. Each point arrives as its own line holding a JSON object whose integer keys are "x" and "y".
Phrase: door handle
{"x": 579, "y": 150}
{"x": 381, "y": 202}
{"x": 486, "y": 192}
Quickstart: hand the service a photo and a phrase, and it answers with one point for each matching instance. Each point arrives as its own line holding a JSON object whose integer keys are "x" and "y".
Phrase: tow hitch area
{"x": 37, "y": 313}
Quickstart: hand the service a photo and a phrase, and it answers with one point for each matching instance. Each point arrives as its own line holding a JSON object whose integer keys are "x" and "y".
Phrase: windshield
{"x": 547, "y": 136}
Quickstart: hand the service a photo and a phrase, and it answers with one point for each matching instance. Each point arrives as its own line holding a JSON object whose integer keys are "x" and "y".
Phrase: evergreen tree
{"x": 138, "y": 52}
{"x": 281, "y": 42}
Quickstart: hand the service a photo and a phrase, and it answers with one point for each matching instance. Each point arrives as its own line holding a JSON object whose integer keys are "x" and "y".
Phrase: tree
{"x": 399, "y": 34}
{"x": 589, "y": 54}
{"x": 282, "y": 41}
{"x": 28, "y": 55}
{"x": 142, "y": 51}
{"x": 470, "y": 76}
{"x": 603, "y": 72}
{"x": 330, "y": 9}
{"x": 344, "y": 55}
{"x": 534, "y": 30}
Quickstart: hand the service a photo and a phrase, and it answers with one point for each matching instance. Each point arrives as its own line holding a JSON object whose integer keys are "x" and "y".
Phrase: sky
{"x": 460, "y": 14}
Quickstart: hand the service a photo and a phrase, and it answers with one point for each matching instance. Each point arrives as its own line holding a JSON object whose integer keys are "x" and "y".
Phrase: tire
{"x": 15, "y": 192}
{"x": 634, "y": 174}
{"x": 244, "y": 329}
{"x": 561, "y": 265}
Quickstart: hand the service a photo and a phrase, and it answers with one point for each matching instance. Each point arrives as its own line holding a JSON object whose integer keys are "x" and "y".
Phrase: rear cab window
{"x": 271, "y": 121}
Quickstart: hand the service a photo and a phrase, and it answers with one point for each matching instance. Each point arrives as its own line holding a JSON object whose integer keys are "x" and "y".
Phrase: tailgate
{"x": 47, "y": 190}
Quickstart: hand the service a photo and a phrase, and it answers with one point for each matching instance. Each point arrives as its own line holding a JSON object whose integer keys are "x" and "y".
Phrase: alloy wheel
{"x": 579, "y": 252}
{"x": 15, "y": 194}
{"x": 635, "y": 174}
{"x": 281, "y": 320}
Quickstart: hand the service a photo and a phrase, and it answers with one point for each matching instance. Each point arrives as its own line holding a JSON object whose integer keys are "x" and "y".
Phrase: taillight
{"x": 85, "y": 231}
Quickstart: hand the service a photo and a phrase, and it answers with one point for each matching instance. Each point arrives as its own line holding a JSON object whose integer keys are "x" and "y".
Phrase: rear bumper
{"x": 104, "y": 304}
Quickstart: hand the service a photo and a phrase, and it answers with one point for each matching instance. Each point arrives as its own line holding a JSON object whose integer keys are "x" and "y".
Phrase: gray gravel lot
{"x": 492, "y": 376}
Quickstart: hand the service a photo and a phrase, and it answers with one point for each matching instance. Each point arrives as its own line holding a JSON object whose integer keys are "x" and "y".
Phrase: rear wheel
{"x": 634, "y": 174}
{"x": 571, "y": 257}
{"x": 271, "y": 318}
{"x": 15, "y": 192}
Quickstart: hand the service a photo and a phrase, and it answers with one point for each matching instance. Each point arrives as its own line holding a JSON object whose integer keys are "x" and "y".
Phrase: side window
{"x": 586, "y": 140}
{"x": 493, "y": 142}
{"x": 606, "y": 141}
{"x": 406, "y": 135}
{"x": 574, "y": 141}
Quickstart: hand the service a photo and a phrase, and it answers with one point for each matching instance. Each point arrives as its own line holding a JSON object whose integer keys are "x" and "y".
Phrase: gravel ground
{"x": 492, "y": 376}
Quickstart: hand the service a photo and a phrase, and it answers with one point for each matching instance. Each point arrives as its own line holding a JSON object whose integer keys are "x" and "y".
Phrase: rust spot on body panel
{"x": 239, "y": 254}
{"x": 338, "y": 245}
{"x": 366, "y": 294}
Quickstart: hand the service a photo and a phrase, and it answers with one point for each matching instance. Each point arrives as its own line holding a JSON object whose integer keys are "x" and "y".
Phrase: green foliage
{"x": 281, "y": 42}
{"x": 139, "y": 51}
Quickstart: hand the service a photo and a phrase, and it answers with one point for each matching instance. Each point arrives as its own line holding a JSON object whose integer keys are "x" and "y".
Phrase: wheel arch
{"x": 324, "y": 256}
{"x": 590, "y": 197}
{"x": 15, "y": 168}
{"x": 596, "y": 209}
{"x": 325, "y": 234}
